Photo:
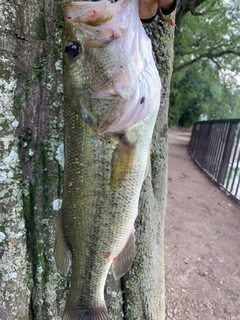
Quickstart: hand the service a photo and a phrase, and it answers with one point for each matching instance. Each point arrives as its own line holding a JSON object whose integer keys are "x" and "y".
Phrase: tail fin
{"x": 86, "y": 314}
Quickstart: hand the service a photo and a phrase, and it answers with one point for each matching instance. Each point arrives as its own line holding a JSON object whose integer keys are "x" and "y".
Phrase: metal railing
{"x": 215, "y": 147}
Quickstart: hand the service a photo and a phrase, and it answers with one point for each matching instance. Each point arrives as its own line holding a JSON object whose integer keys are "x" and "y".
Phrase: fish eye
{"x": 72, "y": 49}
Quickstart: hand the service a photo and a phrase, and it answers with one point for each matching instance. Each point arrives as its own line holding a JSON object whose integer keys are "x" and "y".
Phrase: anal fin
{"x": 122, "y": 263}
{"x": 62, "y": 253}
{"x": 92, "y": 314}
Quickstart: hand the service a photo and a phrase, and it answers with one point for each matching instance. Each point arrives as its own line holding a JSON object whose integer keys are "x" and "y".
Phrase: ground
{"x": 202, "y": 242}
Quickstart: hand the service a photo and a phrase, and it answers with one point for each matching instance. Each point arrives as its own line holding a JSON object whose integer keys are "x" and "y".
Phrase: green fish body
{"x": 112, "y": 96}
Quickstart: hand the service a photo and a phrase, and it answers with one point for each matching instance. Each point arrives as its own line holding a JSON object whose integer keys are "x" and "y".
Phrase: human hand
{"x": 149, "y": 8}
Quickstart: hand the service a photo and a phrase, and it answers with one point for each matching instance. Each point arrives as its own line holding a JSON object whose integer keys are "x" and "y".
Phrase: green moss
{"x": 36, "y": 76}
{"x": 16, "y": 103}
{"x": 59, "y": 16}
{"x": 154, "y": 167}
{"x": 31, "y": 232}
{"x": 57, "y": 45}
{"x": 41, "y": 27}
{"x": 24, "y": 317}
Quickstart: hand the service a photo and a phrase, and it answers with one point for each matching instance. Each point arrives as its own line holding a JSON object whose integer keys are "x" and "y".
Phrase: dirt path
{"x": 202, "y": 243}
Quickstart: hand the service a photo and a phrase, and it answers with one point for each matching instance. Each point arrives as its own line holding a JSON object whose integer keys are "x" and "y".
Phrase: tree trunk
{"x": 144, "y": 283}
{"x": 31, "y": 171}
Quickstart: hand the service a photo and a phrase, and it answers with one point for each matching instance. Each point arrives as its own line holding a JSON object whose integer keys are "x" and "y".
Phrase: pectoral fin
{"x": 122, "y": 162}
{"x": 62, "y": 253}
{"x": 122, "y": 263}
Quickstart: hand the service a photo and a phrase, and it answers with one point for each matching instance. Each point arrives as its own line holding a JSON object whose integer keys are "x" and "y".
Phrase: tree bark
{"x": 143, "y": 285}
{"x": 31, "y": 171}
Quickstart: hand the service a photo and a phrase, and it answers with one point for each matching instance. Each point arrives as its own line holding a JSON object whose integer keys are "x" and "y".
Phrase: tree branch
{"x": 208, "y": 56}
{"x": 185, "y": 7}
{"x": 195, "y": 13}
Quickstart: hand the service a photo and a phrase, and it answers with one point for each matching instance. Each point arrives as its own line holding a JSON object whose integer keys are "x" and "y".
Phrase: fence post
{"x": 227, "y": 152}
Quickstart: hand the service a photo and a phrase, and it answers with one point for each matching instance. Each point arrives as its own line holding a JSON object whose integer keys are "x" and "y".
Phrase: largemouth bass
{"x": 112, "y": 96}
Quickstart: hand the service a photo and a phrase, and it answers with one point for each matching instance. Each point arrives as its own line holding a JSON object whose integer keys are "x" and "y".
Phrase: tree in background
{"x": 207, "y": 61}
{"x": 199, "y": 92}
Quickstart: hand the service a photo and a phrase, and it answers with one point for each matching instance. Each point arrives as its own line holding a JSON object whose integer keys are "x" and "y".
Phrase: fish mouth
{"x": 117, "y": 86}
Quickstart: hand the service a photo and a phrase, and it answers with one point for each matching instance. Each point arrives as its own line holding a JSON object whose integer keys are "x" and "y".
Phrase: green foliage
{"x": 210, "y": 32}
{"x": 187, "y": 98}
{"x": 199, "y": 90}
{"x": 207, "y": 58}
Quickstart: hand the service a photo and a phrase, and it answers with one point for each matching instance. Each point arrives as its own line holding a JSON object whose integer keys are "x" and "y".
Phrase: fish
{"x": 112, "y": 96}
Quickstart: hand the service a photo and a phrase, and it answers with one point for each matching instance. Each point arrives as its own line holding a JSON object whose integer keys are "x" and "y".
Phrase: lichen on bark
{"x": 13, "y": 258}
{"x": 31, "y": 131}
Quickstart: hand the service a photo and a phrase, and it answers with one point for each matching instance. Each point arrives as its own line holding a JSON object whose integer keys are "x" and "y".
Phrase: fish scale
{"x": 110, "y": 114}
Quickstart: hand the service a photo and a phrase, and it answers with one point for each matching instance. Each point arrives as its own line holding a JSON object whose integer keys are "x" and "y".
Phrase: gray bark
{"x": 31, "y": 171}
{"x": 144, "y": 283}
